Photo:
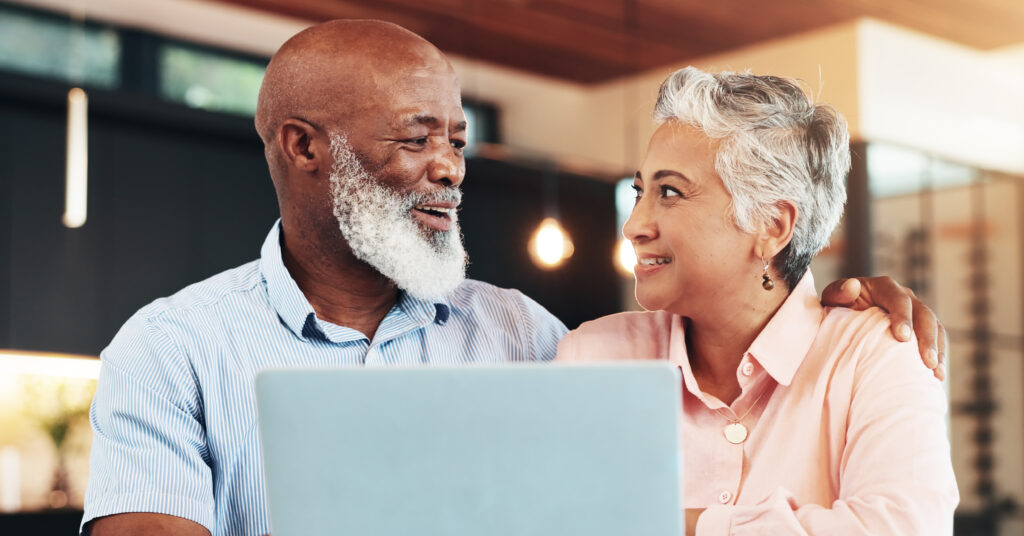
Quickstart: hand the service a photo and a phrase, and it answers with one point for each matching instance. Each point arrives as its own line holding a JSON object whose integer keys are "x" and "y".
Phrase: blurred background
{"x": 129, "y": 168}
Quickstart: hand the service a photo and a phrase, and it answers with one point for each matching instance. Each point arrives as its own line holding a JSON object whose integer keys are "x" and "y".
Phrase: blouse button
{"x": 725, "y": 497}
{"x": 747, "y": 369}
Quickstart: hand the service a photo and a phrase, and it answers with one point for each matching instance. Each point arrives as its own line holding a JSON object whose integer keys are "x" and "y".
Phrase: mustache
{"x": 449, "y": 194}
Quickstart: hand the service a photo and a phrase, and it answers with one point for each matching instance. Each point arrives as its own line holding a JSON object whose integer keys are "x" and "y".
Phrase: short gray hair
{"x": 775, "y": 144}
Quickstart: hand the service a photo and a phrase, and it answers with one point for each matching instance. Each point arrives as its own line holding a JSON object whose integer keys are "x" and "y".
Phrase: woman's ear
{"x": 775, "y": 234}
{"x": 296, "y": 141}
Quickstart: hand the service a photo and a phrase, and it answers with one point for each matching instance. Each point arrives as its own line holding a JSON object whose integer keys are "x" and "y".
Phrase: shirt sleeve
{"x": 896, "y": 475}
{"x": 543, "y": 330}
{"x": 149, "y": 451}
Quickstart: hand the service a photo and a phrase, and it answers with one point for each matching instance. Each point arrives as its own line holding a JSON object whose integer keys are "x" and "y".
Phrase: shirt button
{"x": 725, "y": 497}
{"x": 747, "y": 369}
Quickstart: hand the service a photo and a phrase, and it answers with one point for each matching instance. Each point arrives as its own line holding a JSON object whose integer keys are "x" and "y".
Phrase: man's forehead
{"x": 453, "y": 120}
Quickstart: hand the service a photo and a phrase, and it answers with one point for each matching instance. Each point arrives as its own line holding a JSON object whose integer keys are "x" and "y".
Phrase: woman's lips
{"x": 650, "y": 265}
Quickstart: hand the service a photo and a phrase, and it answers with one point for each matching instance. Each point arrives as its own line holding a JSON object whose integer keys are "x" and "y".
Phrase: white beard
{"x": 378, "y": 224}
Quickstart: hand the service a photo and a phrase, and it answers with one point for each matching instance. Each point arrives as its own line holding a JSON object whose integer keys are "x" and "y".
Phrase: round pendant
{"x": 735, "y": 433}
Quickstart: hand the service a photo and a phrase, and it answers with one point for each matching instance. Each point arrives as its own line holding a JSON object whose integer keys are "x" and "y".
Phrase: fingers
{"x": 908, "y": 316}
{"x": 886, "y": 293}
{"x": 940, "y": 370}
{"x": 841, "y": 293}
{"x": 926, "y": 327}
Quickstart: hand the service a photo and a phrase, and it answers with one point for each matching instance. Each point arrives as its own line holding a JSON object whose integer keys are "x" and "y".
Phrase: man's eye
{"x": 417, "y": 141}
{"x": 458, "y": 144}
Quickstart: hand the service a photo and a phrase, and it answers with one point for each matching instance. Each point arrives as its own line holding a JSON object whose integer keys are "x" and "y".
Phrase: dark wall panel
{"x": 6, "y": 232}
{"x": 52, "y": 269}
{"x": 858, "y": 258}
{"x": 174, "y": 207}
{"x": 502, "y": 207}
{"x": 171, "y": 201}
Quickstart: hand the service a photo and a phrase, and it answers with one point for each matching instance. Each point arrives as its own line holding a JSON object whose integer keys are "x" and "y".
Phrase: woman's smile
{"x": 647, "y": 265}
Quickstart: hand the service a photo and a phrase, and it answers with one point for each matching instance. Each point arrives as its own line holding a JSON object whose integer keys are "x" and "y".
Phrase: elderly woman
{"x": 797, "y": 419}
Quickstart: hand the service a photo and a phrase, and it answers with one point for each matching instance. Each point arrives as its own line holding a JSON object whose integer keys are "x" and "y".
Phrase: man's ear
{"x": 297, "y": 142}
{"x": 776, "y": 233}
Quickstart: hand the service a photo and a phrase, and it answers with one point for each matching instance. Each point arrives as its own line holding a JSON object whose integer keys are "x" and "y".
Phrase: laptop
{"x": 509, "y": 450}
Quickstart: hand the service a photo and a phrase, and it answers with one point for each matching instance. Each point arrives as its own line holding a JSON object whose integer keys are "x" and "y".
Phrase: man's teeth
{"x": 439, "y": 210}
{"x": 651, "y": 261}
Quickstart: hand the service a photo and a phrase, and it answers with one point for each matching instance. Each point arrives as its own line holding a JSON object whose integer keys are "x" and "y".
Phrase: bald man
{"x": 363, "y": 131}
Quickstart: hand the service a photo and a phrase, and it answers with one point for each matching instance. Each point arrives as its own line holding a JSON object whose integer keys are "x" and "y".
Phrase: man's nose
{"x": 448, "y": 166}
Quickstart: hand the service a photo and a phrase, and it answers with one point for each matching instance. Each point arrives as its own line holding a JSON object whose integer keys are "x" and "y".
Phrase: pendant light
{"x": 625, "y": 257}
{"x": 550, "y": 246}
{"x": 76, "y": 190}
{"x": 76, "y": 178}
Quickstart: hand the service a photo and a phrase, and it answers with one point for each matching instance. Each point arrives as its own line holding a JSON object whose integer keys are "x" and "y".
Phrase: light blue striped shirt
{"x": 174, "y": 417}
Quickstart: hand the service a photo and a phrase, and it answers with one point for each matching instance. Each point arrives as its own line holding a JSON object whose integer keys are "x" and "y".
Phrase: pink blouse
{"x": 847, "y": 427}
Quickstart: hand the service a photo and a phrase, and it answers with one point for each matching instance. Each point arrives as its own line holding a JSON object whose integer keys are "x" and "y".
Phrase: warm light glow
{"x": 45, "y": 364}
{"x": 10, "y": 479}
{"x": 550, "y": 245}
{"x": 625, "y": 257}
{"x": 76, "y": 179}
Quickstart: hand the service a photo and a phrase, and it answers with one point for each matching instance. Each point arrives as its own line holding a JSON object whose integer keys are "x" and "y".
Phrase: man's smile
{"x": 436, "y": 216}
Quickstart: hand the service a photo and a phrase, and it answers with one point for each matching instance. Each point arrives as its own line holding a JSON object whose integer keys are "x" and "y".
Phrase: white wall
{"x": 959, "y": 103}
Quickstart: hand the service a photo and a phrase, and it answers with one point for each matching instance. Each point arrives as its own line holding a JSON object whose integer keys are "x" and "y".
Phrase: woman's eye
{"x": 638, "y": 192}
{"x": 668, "y": 191}
{"x": 458, "y": 144}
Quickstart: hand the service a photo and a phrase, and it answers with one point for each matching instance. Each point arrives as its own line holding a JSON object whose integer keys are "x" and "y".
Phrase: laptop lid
{"x": 498, "y": 450}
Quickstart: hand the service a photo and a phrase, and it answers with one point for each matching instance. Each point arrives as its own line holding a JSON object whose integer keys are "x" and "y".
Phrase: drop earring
{"x": 766, "y": 282}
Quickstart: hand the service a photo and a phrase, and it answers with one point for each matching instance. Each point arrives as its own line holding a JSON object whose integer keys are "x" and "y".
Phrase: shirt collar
{"x": 285, "y": 296}
{"x": 411, "y": 313}
{"x": 295, "y": 310}
{"x": 782, "y": 344}
{"x": 408, "y": 314}
{"x": 425, "y": 311}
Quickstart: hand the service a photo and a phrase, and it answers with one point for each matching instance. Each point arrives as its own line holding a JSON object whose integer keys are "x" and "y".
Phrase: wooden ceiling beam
{"x": 499, "y": 20}
{"x": 547, "y": 44}
{"x": 595, "y": 40}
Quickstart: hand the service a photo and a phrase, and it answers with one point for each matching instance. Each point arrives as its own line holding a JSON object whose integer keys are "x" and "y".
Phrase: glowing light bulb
{"x": 625, "y": 257}
{"x": 76, "y": 181}
{"x": 550, "y": 245}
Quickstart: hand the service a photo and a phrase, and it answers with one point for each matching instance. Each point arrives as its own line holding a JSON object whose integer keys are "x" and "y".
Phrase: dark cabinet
{"x": 175, "y": 195}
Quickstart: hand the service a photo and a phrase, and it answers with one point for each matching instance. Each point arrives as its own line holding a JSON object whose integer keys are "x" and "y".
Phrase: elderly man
{"x": 364, "y": 131}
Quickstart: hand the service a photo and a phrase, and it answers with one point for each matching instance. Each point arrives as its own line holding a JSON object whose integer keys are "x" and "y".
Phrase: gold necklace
{"x": 735, "y": 432}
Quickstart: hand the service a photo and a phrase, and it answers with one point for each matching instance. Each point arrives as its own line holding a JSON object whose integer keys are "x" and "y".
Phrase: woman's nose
{"x": 640, "y": 225}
